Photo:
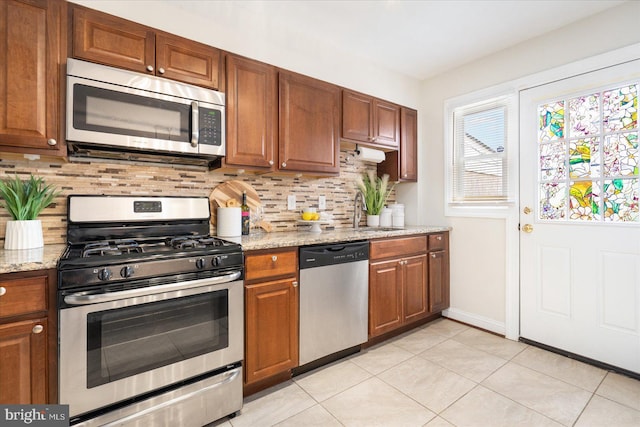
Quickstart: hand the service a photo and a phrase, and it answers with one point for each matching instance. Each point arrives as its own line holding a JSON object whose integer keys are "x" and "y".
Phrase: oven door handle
{"x": 84, "y": 298}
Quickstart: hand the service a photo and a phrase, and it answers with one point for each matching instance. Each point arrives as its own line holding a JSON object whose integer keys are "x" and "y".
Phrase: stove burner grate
{"x": 116, "y": 247}
{"x": 185, "y": 242}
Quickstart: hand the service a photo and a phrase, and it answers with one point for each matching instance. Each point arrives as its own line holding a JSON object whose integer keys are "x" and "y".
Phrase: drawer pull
{"x": 37, "y": 329}
{"x": 3, "y": 290}
{"x": 274, "y": 258}
{"x": 295, "y": 283}
{"x": 433, "y": 255}
{"x": 439, "y": 238}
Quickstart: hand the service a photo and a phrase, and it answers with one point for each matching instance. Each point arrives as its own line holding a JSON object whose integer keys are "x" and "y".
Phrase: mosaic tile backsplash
{"x": 138, "y": 179}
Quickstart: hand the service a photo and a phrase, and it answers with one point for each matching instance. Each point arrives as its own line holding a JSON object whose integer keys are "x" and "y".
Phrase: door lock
{"x": 526, "y": 210}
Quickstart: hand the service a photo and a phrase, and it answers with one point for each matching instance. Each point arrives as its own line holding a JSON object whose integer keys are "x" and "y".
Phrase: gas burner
{"x": 116, "y": 247}
{"x": 186, "y": 242}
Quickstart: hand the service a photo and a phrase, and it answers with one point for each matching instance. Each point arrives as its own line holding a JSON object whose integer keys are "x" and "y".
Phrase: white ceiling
{"x": 416, "y": 38}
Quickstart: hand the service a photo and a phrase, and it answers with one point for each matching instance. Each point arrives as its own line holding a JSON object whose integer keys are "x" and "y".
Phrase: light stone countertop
{"x": 262, "y": 240}
{"x": 12, "y": 261}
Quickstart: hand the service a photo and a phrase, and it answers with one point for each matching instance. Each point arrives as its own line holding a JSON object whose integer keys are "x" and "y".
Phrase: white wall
{"x": 479, "y": 246}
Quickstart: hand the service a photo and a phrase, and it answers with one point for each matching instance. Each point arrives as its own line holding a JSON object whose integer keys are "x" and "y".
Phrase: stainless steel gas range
{"x": 151, "y": 313}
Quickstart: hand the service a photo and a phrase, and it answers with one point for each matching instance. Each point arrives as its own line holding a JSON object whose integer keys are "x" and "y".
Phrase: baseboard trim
{"x": 475, "y": 320}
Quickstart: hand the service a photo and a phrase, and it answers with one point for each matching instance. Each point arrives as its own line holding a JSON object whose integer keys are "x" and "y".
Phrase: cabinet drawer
{"x": 437, "y": 242}
{"x": 398, "y": 247}
{"x": 23, "y": 296}
{"x": 271, "y": 264}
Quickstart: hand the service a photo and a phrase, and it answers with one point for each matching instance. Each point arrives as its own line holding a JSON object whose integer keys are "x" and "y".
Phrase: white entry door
{"x": 579, "y": 215}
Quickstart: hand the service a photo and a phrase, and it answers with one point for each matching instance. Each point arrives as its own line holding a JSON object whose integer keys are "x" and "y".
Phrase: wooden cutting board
{"x": 233, "y": 189}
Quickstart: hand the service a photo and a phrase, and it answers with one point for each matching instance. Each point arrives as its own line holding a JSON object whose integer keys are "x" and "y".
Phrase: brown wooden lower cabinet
{"x": 271, "y": 317}
{"x": 407, "y": 281}
{"x": 23, "y": 362}
{"x": 272, "y": 329}
{"x": 28, "y": 338}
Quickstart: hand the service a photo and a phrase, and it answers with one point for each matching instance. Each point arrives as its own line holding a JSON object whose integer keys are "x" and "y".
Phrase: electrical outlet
{"x": 322, "y": 203}
{"x": 291, "y": 202}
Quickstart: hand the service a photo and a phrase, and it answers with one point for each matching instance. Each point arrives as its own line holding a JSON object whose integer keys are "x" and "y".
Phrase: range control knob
{"x": 126, "y": 271}
{"x": 200, "y": 263}
{"x": 104, "y": 274}
{"x": 216, "y": 261}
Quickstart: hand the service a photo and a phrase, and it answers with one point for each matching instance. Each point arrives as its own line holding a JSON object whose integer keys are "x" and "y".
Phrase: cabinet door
{"x": 187, "y": 61}
{"x": 438, "y": 281}
{"x": 109, "y": 40}
{"x": 415, "y": 288}
{"x": 30, "y": 52}
{"x": 23, "y": 362}
{"x": 272, "y": 328}
{"x": 357, "y": 116}
{"x": 309, "y": 125}
{"x": 252, "y": 116}
{"x": 385, "y": 297}
{"x": 408, "y": 145}
{"x": 386, "y": 124}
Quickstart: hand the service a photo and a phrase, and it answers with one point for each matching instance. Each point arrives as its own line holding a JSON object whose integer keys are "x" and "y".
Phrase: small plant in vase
{"x": 375, "y": 192}
{"x": 25, "y": 200}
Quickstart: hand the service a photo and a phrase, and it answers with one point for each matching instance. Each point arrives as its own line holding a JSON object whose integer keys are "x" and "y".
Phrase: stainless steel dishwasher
{"x": 334, "y": 298}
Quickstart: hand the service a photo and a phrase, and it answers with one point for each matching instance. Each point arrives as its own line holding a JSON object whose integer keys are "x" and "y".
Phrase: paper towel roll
{"x": 370, "y": 155}
{"x": 229, "y": 222}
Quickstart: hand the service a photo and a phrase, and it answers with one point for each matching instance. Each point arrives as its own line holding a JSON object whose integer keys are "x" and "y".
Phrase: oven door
{"x": 115, "y": 350}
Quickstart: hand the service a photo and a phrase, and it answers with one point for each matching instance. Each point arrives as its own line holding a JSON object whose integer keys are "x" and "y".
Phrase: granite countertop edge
{"x": 259, "y": 240}
{"x": 13, "y": 261}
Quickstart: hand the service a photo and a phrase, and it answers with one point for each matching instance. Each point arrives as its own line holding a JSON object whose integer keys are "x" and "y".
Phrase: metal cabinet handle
{"x": 433, "y": 255}
{"x": 295, "y": 284}
{"x": 274, "y": 258}
{"x": 37, "y": 329}
{"x": 161, "y": 70}
{"x": 150, "y": 68}
{"x": 284, "y": 165}
{"x": 270, "y": 162}
{"x": 439, "y": 238}
{"x": 52, "y": 142}
{"x": 3, "y": 290}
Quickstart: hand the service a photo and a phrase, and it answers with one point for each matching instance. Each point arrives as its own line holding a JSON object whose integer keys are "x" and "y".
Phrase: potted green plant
{"x": 24, "y": 200}
{"x": 375, "y": 192}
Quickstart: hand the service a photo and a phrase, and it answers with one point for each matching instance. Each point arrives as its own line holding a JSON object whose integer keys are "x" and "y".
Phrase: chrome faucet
{"x": 357, "y": 209}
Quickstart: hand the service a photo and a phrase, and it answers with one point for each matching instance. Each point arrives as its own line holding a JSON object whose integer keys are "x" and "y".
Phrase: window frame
{"x": 492, "y": 208}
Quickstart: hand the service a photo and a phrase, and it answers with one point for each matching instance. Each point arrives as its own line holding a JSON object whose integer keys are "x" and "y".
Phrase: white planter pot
{"x": 373, "y": 220}
{"x": 23, "y": 234}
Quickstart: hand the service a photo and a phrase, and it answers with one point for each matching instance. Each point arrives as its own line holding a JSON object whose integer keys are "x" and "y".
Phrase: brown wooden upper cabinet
{"x": 31, "y": 52}
{"x": 252, "y": 114}
{"x": 402, "y": 165}
{"x": 370, "y": 120}
{"x": 309, "y": 131}
{"x": 109, "y": 40}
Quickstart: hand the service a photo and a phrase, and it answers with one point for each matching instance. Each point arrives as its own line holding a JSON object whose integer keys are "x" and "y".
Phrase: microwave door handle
{"x": 195, "y": 128}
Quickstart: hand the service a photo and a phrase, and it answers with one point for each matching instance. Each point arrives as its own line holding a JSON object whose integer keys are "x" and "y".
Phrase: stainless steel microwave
{"x": 119, "y": 114}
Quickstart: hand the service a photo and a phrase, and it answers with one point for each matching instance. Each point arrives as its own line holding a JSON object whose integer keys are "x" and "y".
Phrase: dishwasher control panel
{"x": 337, "y": 253}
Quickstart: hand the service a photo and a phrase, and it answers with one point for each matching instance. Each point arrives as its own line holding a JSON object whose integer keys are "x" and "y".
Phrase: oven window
{"x": 109, "y": 111}
{"x": 130, "y": 340}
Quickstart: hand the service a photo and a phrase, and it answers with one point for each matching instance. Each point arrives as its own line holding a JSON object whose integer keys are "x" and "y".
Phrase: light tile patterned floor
{"x": 448, "y": 374}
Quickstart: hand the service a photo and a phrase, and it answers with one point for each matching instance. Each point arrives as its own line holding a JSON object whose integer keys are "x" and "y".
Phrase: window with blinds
{"x": 479, "y": 169}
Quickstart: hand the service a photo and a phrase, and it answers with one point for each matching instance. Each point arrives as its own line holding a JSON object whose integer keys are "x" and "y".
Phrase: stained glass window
{"x": 588, "y": 157}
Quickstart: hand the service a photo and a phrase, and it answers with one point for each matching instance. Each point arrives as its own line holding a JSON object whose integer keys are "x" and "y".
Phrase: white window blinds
{"x": 479, "y": 170}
